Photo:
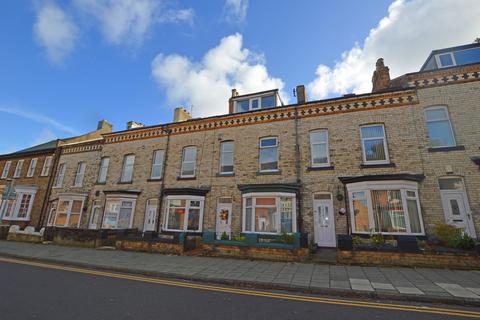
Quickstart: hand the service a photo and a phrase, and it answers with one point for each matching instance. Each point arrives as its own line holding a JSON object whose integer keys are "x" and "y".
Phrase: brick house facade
{"x": 396, "y": 161}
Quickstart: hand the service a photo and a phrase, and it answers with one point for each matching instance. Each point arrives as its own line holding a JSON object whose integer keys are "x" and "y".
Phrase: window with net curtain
{"x": 386, "y": 211}
{"x": 440, "y": 133}
{"x": 269, "y": 214}
{"x": 374, "y": 144}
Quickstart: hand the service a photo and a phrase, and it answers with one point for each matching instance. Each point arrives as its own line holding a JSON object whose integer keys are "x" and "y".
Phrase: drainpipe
{"x": 46, "y": 199}
{"x": 160, "y": 201}
{"x": 298, "y": 173}
{"x": 347, "y": 208}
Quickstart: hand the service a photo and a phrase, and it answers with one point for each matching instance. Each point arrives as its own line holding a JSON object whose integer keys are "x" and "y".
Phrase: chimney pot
{"x": 381, "y": 77}
{"x": 301, "y": 94}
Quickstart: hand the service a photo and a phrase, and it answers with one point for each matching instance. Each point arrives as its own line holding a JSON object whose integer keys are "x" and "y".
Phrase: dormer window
{"x": 458, "y": 58}
{"x": 256, "y": 101}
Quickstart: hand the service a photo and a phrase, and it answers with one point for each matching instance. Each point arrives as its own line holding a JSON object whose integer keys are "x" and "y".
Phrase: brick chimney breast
{"x": 381, "y": 77}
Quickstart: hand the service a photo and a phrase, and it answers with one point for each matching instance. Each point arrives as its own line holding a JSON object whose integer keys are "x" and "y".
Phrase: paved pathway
{"x": 418, "y": 283}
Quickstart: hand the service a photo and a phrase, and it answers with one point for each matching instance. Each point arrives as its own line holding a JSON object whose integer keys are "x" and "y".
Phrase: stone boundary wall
{"x": 150, "y": 246}
{"x": 292, "y": 255}
{"x": 432, "y": 260}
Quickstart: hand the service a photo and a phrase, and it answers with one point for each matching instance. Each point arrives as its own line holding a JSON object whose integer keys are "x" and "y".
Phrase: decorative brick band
{"x": 82, "y": 148}
{"x": 353, "y": 104}
{"x": 444, "y": 77}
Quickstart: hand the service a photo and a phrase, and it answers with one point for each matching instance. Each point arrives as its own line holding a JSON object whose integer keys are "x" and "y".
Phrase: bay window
{"x": 69, "y": 211}
{"x": 272, "y": 213}
{"x": 268, "y": 154}
{"x": 390, "y": 207}
{"x": 119, "y": 213}
{"x": 184, "y": 213}
{"x": 440, "y": 133}
{"x": 374, "y": 144}
{"x": 20, "y": 207}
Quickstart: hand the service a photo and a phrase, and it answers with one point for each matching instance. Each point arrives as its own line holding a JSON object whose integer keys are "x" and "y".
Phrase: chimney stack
{"x": 231, "y": 105}
{"x": 180, "y": 114}
{"x": 301, "y": 94}
{"x": 104, "y": 125}
{"x": 381, "y": 77}
{"x": 134, "y": 124}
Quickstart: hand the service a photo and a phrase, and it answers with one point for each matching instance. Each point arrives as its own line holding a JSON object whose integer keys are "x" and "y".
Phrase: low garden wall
{"x": 152, "y": 242}
{"x": 86, "y": 238}
{"x": 407, "y": 259}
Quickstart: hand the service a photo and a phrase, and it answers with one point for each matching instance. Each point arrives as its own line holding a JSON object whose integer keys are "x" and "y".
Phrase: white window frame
{"x": 6, "y": 169}
{"x": 185, "y": 162}
{"x": 58, "y": 183}
{"x": 95, "y": 205}
{"x": 80, "y": 174}
{"x": 124, "y": 167}
{"x": 157, "y": 165}
{"x": 14, "y": 209}
{"x": 327, "y": 147}
{"x": 257, "y": 98}
{"x": 385, "y": 145}
{"x": 47, "y": 164}
{"x": 439, "y": 62}
{"x": 227, "y": 152}
{"x": 368, "y": 186}
{"x": 120, "y": 198}
{"x": 187, "y": 199}
{"x": 276, "y": 195}
{"x": 31, "y": 167}
{"x": 103, "y": 170}
{"x": 52, "y": 208}
{"x": 260, "y": 148}
{"x": 70, "y": 199}
{"x": 440, "y": 120}
{"x": 18, "y": 169}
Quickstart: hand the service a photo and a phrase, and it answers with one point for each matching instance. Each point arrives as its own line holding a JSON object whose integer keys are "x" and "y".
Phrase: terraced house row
{"x": 396, "y": 161}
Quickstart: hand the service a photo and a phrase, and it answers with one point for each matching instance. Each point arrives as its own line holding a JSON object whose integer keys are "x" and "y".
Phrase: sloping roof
{"x": 38, "y": 148}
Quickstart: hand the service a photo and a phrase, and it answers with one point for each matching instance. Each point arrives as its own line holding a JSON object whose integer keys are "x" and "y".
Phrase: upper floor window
{"x": 47, "y": 164}
{"x": 226, "y": 157}
{"x": 374, "y": 144}
{"x": 103, "y": 171}
{"x": 31, "y": 167}
{"x": 80, "y": 174}
{"x": 157, "y": 164}
{"x": 255, "y": 103}
{"x": 319, "y": 148}
{"x": 6, "y": 169}
{"x": 458, "y": 58}
{"x": 189, "y": 159}
{"x": 440, "y": 131}
{"x": 269, "y": 154}
{"x": 60, "y": 175}
{"x": 127, "y": 170}
{"x": 18, "y": 169}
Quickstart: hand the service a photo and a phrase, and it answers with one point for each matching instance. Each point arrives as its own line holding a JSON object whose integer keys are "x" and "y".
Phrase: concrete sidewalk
{"x": 428, "y": 285}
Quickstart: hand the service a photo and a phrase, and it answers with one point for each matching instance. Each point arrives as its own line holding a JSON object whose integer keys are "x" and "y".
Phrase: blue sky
{"x": 64, "y": 65}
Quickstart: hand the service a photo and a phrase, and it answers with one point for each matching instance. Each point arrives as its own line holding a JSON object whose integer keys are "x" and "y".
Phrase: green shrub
{"x": 447, "y": 234}
{"x": 422, "y": 244}
{"x": 356, "y": 240}
{"x": 377, "y": 239}
{"x": 239, "y": 238}
{"x": 464, "y": 241}
{"x": 224, "y": 236}
{"x": 287, "y": 238}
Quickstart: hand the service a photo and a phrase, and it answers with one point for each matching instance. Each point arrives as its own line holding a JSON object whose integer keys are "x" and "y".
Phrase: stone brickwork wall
{"x": 295, "y": 255}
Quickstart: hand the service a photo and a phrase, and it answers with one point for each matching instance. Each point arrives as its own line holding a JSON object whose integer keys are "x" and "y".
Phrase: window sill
{"x": 186, "y": 178}
{"x": 184, "y": 231}
{"x": 380, "y": 165}
{"x": 320, "y": 168}
{"x": 269, "y": 173}
{"x": 154, "y": 180}
{"x": 15, "y": 219}
{"x": 124, "y": 182}
{"x": 100, "y": 183}
{"x": 229, "y": 174}
{"x": 446, "y": 149}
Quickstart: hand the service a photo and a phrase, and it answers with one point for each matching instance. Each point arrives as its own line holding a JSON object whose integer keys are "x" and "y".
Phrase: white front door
{"x": 324, "y": 224}
{"x": 150, "y": 215}
{"x": 95, "y": 216}
{"x": 224, "y": 218}
{"x": 457, "y": 211}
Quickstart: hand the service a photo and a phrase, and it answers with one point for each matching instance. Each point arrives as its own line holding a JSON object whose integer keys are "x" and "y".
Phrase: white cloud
{"x": 235, "y": 11}
{"x": 404, "y": 38}
{"x": 55, "y": 31}
{"x": 129, "y": 21}
{"x": 37, "y": 118}
{"x": 206, "y": 85}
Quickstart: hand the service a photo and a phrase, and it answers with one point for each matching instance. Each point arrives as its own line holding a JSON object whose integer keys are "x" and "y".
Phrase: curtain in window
{"x": 388, "y": 211}
{"x": 414, "y": 216}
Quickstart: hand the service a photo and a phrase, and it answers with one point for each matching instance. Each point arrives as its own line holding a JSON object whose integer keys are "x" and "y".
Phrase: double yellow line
{"x": 293, "y": 297}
